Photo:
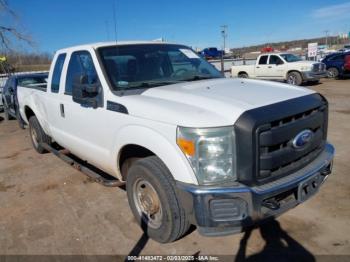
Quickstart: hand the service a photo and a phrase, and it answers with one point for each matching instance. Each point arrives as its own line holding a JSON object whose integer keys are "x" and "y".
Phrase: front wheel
{"x": 152, "y": 198}
{"x": 332, "y": 72}
{"x": 294, "y": 78}
{"x": 37, "y": 135}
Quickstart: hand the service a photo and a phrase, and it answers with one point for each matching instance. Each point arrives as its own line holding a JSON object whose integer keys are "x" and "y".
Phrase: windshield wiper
{"x": 199, "y": 77}
{"x": 150, "y": 84}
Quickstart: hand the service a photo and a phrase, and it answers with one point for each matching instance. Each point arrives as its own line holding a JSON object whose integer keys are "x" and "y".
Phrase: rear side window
{"x": 80, "y": 64}
{"x": 57, "y": 71}
{"x": 263, "y": 60}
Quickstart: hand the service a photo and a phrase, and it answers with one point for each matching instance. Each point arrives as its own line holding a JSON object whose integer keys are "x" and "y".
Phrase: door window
{"x": 263, "y": 60}
{"x": 80, "y": 64}
{"x": 57, "y": 71}
{"x": 274, "y": 60}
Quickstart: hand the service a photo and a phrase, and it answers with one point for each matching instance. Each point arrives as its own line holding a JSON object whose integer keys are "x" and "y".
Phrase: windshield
{"x": 291, "y": 58}
{"x": 150, "y": 65}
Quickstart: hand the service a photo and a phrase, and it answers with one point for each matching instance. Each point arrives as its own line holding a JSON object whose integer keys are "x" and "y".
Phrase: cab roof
{"x": 111, "y": 43}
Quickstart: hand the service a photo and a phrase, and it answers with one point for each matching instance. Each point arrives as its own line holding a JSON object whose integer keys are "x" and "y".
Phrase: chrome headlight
{"x": 210, "y": 152}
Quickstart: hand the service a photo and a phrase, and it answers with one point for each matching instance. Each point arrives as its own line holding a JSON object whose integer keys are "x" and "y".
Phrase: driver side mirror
{"x": 85, "y": 94}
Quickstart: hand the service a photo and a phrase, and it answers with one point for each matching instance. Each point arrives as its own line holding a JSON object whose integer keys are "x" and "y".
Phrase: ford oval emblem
{"x": 303, "y": 138}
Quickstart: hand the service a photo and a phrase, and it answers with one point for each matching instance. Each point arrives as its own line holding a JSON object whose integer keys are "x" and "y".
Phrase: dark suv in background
{"x": 335, "y": 64}
{"x": 9, "y": 93}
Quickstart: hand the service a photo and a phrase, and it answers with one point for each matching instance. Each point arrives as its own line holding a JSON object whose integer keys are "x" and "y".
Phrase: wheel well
{"x": 28, "y": 112}
{"x": 128, "y": 155}
{"x": 242, "y": 72}
{"x": 290, "y": 71}
{"x": 333, "y": 67}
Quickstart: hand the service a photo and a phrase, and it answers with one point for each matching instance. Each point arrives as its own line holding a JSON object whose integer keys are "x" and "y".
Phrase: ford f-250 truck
{"x": 192, "y": 146}
{"x": 281, "y": 67}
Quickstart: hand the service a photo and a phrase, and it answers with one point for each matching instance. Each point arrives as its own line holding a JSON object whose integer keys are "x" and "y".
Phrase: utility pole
{"x": 326, "y": 32}
{"x": 224, "y": 36}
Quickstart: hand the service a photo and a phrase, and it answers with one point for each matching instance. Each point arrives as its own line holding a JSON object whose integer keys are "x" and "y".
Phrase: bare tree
{"x": 10, "y": 32}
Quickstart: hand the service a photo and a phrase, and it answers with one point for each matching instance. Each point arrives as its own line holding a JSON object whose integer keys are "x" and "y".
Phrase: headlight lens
{"x": 306, "y": 68}
{"x": 210, "y": 152}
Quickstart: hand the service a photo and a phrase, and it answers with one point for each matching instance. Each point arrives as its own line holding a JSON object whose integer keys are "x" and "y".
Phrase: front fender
{"x": 168, "y": 152}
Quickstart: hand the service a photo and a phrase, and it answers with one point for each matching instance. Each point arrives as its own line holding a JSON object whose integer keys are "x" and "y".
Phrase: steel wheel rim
{"x": 147, "y": 203}
{"x": 34, "y": 137}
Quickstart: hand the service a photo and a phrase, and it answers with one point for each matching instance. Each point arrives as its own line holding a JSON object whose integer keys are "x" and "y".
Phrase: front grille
{"x": 264, "y": 138}
{"x": 319, "y": 67}
{"x": 277, "y": 156}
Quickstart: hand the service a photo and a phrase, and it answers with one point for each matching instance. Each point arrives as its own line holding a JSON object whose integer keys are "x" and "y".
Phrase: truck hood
{"x": 208, "y": 103}
{"x": 303, "y": 63}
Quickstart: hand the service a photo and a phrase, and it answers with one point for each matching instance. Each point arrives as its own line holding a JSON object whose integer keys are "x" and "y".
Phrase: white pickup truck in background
{"x": 192, "y": 146}
{"x": 282, "y": 67}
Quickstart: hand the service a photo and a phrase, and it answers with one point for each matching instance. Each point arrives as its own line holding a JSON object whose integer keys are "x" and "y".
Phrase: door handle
{"x": 269, "y": 66}
{"x": 258, "y": 67}
{"x": 62, "y": 110}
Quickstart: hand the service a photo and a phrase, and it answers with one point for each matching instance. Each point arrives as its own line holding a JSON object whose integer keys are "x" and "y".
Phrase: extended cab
{"x": 282, "y": 67}
{"x": 192, "y": 146}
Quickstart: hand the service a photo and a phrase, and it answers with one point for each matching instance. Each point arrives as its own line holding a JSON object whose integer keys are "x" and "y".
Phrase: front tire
{"x": 37, "y": 135}
{"x": 152, "y": 198}
{"x": 294, "y": 78}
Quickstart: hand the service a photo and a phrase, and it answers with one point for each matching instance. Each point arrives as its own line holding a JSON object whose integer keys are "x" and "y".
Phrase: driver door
{"x": 276, "y": 67}
{"x": 83, "y": 128}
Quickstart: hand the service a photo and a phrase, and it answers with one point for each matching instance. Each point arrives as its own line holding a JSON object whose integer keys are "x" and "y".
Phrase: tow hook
{"x": 271, "y": 204}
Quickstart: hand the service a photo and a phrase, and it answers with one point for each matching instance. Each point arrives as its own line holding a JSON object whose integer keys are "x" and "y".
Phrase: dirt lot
{"x": 47, "y": 207}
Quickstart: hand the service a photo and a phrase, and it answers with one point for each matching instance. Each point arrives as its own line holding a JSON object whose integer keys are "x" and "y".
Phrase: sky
{"x": 62, "y": 23}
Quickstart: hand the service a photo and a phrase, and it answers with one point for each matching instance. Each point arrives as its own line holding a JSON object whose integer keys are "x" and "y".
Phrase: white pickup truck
{"x": 192, "y": 146}
{"x": 281, "y": 67}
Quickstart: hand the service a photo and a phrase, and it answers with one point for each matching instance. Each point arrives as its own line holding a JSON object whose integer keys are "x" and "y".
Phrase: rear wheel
{"x": 152, "y": 198}
{"x": 332, "y": 72}
{"x": 37, "y": 135}
{"x": 294, "y": 78}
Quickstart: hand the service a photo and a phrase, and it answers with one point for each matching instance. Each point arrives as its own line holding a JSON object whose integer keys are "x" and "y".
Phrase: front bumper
{"x": 313, "y": 76}
{"x": 228, "y": 209}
